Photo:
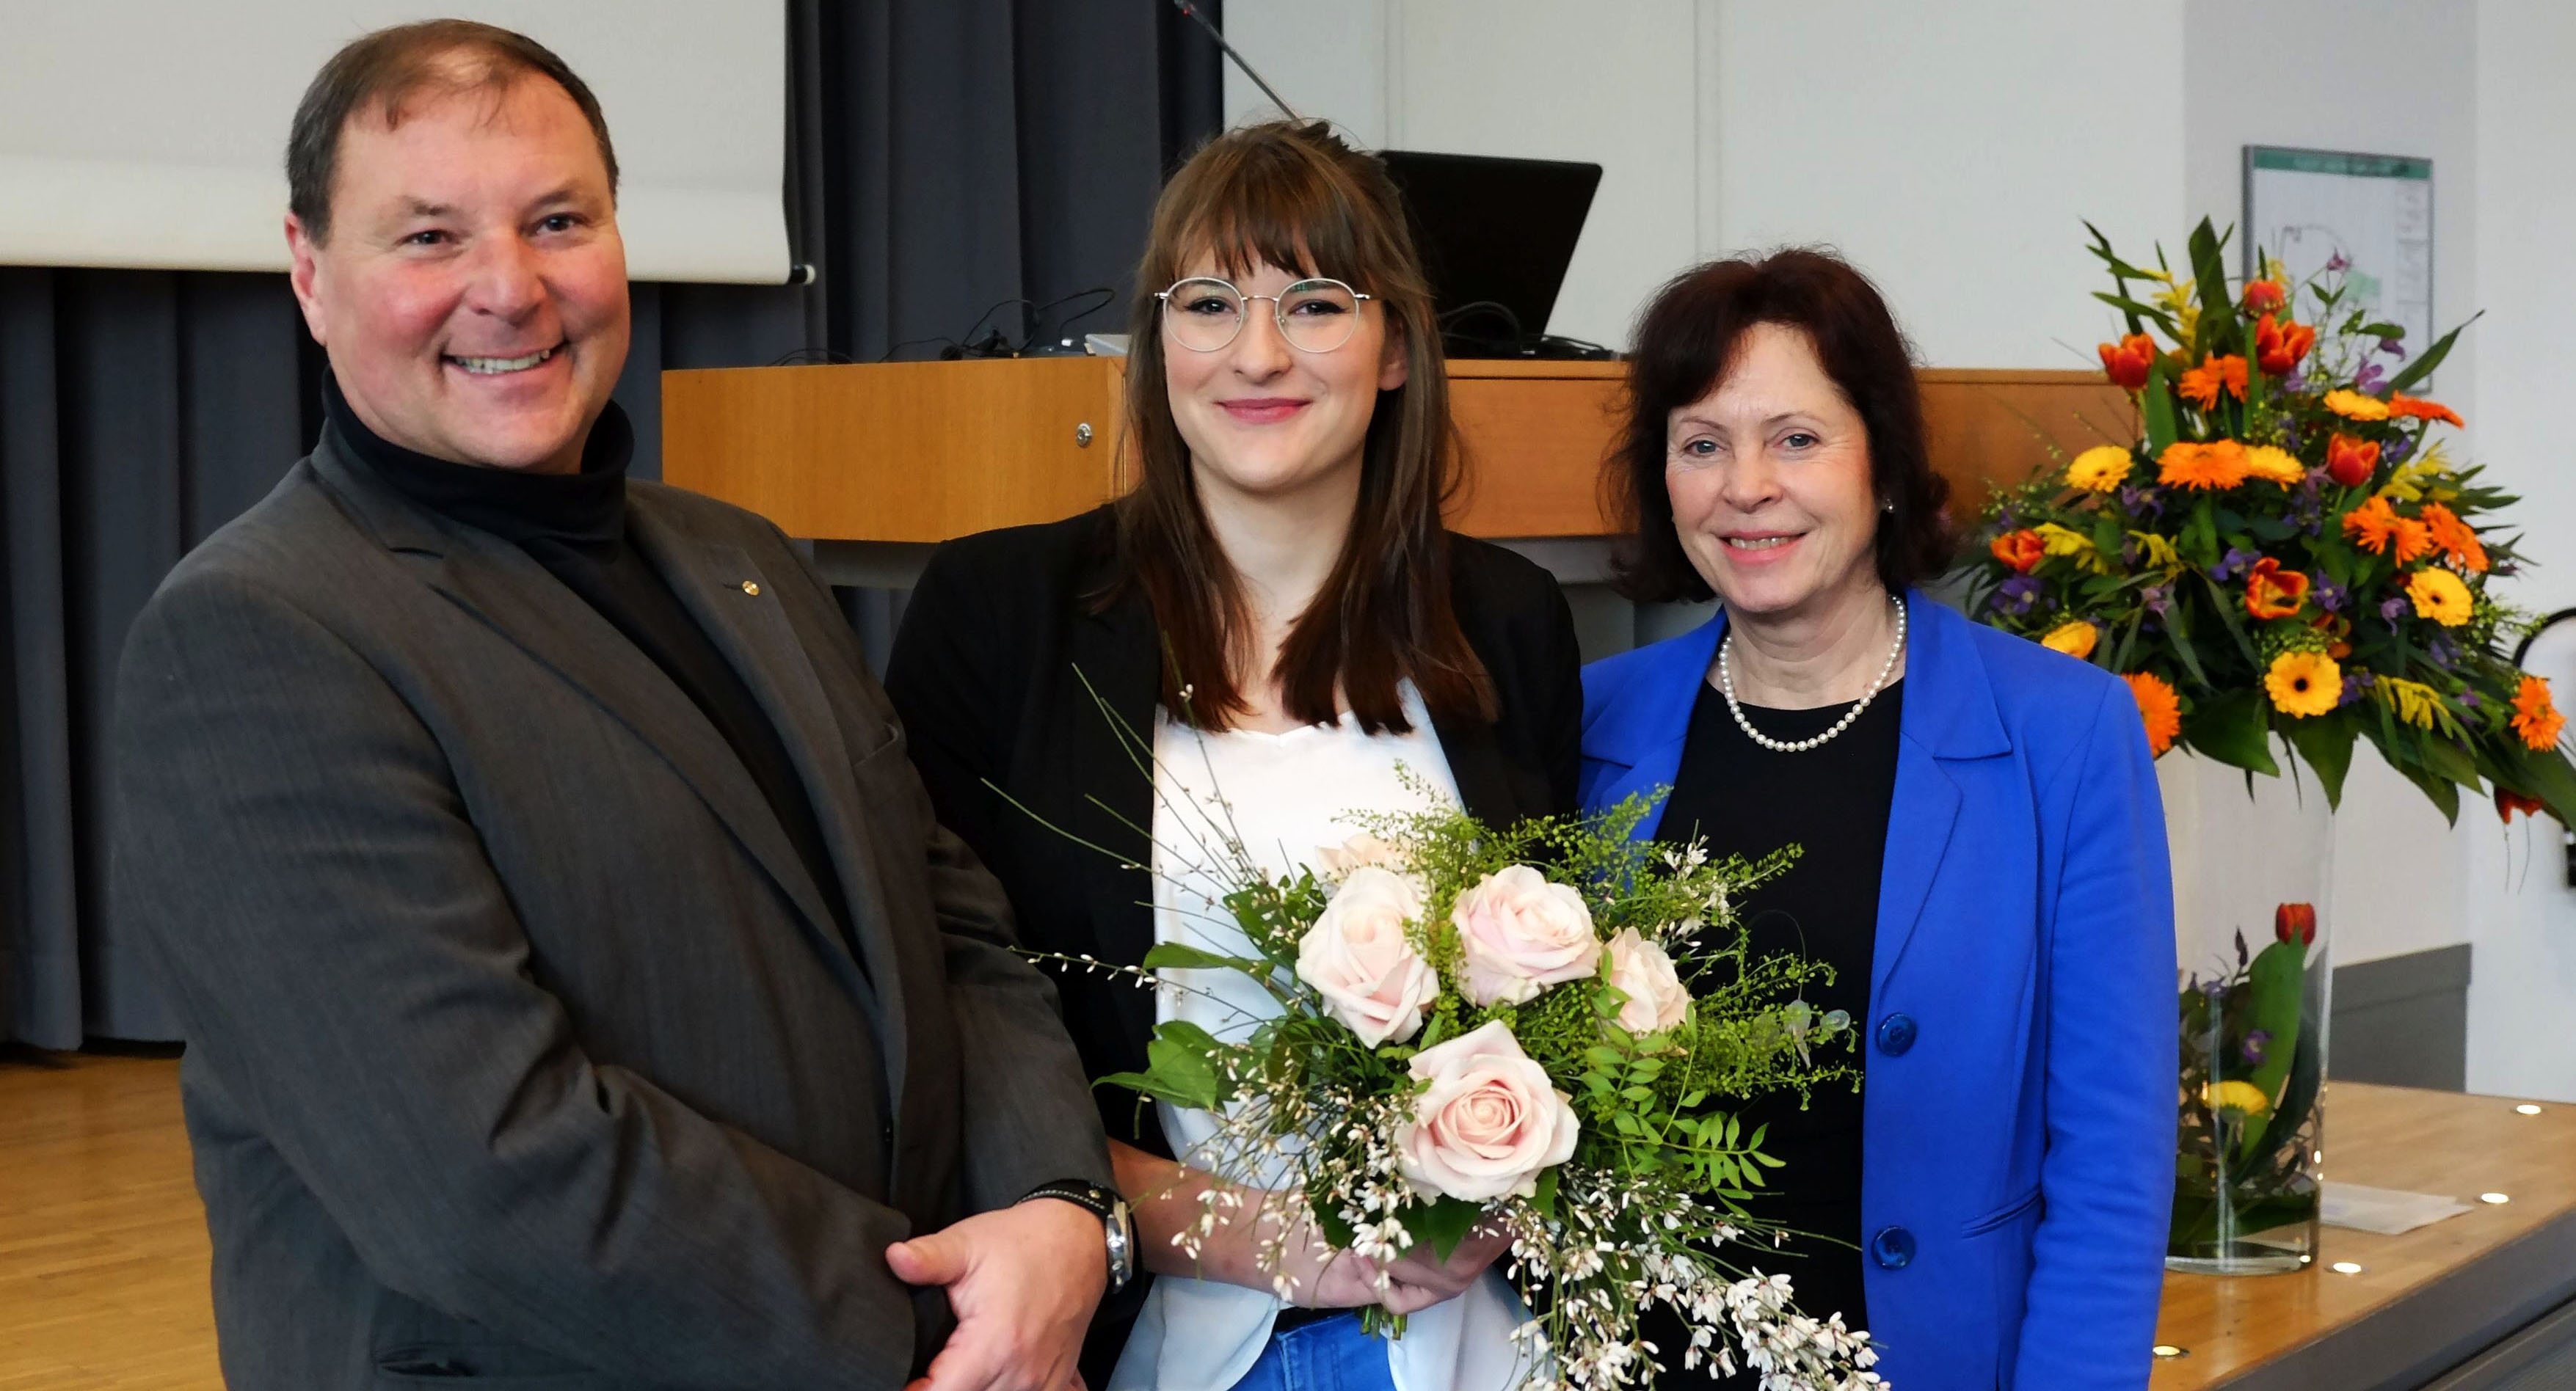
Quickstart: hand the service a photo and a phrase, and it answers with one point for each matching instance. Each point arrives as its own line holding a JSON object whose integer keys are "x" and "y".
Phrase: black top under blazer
{"x": 988, "y": 674}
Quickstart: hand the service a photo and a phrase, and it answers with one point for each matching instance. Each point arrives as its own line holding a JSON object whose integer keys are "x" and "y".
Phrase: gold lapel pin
{"x": 751, "y": 587}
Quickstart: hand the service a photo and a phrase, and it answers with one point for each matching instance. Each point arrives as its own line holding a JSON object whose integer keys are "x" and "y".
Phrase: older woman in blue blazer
{"x": 1983, "y": 854}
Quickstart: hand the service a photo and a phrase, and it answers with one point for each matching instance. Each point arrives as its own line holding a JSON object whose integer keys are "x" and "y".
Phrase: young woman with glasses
{"x": 1276, "y": 614}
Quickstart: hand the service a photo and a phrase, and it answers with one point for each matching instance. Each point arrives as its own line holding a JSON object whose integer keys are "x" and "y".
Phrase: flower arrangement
{"x": 1534, "y": 1030}
{"x": 2255, "y": 1068}
{"x": 2286, "y": 548}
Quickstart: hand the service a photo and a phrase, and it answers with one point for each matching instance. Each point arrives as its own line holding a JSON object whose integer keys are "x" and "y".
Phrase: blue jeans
{"x": 1333, "y": 1355}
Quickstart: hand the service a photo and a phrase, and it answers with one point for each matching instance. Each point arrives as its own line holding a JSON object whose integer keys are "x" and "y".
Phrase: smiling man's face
{"x": 472, "y": 290}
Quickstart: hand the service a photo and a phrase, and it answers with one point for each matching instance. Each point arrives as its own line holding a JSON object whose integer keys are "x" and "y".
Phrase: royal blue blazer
{"x": 2018, "y": 1103}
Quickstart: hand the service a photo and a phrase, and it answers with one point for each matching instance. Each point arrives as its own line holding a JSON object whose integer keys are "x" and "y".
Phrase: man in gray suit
{"x": 578, "y": 991}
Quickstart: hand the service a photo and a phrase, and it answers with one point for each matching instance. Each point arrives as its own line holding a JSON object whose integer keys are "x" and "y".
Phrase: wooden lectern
{"x": 920, "y": 452}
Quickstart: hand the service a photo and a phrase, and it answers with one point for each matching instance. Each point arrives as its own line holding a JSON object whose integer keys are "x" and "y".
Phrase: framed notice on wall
{"x": 2309, "y": 207}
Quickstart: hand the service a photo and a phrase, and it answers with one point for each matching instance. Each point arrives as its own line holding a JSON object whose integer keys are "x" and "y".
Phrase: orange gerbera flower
{"x": 2350, "y": 461}
{"x": 2402, "y": 404}
{"x": 2022, "y": 550}
{"x": 2535, "y": 718}
{"x": 2278, "y": 347}
{"x": 2126, "y": 362}
{"x": 2201, "y": 384}
{"x": 2375, "y": 527}
{"x": 2159, "y": 707}
{"x": 2219, "y": 464}
{"x": 2271, "y": 592}
{"x": 2455, "y": 537}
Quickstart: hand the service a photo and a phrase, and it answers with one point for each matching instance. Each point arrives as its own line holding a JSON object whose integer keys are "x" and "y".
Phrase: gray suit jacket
{"x": 521, "y": 1044}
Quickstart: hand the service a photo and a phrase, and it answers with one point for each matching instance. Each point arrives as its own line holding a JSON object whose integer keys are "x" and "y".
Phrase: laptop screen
{"x": 1495, "y": 235}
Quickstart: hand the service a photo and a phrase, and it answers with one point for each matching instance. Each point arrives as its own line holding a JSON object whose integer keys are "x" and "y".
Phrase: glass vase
{"x": 2253, "y": 861}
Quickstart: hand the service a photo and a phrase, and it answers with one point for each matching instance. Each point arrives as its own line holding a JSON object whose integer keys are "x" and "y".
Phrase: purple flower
{"x": 2017, "y": 594}
{"x": 2397, "y": 450}
{"x": 2395, "y": 608}
{"x": 2235, "y": 563}
{"x": 2442, "y": 650}
{"x": 2355, "y": 685}
{"x": 2330, "y": 595}
{"x": 2392, "y": 347}
{"x": 2367, "y": 380}
{"x": 2469, "y": 700}
{"x": 2256, "y": 1040}
{"x": 2338, "y": 261}
{"x": 2157, "y": 599}
{"x": 2139, "y": 503}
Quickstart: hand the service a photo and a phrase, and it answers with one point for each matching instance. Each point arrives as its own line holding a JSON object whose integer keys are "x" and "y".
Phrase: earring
{"x": 1887, "y": 506}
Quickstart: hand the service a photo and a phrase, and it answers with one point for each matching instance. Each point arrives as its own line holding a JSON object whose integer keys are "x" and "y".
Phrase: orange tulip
{"x": 2265, "y": 296}
{"x": 2128, "y": 361}
{"x": 2201, "y": 385}
{"x": 2295, "y": 922}
{"x": 2022, "y": 550}
{"x": 2279, "y": 346}
{"x": 2350, "y": 461}
{"x": 2271, "y": 592}
{"x": 2508, "y": 802}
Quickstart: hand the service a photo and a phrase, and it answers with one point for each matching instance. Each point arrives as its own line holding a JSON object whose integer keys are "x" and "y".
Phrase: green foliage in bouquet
{"x": 2253, "y": 1066}
{"x": 2282, "y": 547}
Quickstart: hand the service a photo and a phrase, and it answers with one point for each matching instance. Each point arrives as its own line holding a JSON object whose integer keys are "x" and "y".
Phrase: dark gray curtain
{"x": 944, "y": 156}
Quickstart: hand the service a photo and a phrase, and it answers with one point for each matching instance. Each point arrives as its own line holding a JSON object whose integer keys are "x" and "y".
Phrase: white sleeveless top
{"x": 1281, "y": 795}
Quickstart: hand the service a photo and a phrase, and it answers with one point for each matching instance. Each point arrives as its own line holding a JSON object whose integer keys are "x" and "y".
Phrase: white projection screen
{"x": 152, "y": 133}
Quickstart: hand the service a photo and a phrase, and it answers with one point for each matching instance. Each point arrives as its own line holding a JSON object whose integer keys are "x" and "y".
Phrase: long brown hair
{"x": 1295, "y": 196}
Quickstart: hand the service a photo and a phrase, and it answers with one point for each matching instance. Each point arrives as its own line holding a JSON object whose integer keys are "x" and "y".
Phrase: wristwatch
{"x": 1111, "y": 1209}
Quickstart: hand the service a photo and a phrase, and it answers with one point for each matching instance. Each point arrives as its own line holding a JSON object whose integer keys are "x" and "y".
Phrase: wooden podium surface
{"x": 923, "y": 451}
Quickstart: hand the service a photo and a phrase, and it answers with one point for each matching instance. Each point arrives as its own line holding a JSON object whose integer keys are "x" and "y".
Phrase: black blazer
{"x": 989, "y": 673}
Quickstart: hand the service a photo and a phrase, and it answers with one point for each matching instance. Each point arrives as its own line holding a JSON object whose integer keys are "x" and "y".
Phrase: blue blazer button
{"x": 1895, "y": 1034}
{"x": 1893, "y": 1247}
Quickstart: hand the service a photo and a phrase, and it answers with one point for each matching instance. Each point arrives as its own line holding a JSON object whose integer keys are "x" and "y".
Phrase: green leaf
{"x": 2229, "y": 728}
{"x": 1544, "y": 1198}
{"x": 1173, "y": 956}
{"x": 2157, "y": 399}
{"x": 2226, "y": 606}
{"x": 1176, "y": 1074}
{"x": 2325, "y": 744}
{"x": 1444, "y": 1224}
{"x": 2383, "y": 330}
{"x": 2423, "y": 366}
{"x": 2218, "y": 325}
{"x": 2445, "y": 759}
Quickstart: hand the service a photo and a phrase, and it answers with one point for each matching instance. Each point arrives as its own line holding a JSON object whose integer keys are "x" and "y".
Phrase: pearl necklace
{"x": 1726, "y": 687}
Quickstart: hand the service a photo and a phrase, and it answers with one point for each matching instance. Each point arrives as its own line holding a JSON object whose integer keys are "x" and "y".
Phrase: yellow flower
{"x": 2304, "y": 683}
{"x": 2075, "y": 639}
{"x": 2274, "y": 465}
{"x": 2058, "y": 540}
{"x": 2100, "y": 468}
{"x": 2244, "y": 1098}
{"x": 2439, "y": 595}
{"x": 2352, "y": 405}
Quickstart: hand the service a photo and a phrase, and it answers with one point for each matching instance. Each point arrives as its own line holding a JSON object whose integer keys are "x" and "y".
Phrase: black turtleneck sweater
{"x": 575, "y": 526}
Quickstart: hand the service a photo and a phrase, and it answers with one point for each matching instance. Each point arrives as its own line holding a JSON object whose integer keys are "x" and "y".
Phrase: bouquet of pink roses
{"x": 1539, "y": 1030}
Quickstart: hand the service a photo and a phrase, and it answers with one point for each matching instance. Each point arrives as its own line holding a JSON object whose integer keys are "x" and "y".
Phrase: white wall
{"x": 2523, "y": 996}
{"x": 1724, "y": 125}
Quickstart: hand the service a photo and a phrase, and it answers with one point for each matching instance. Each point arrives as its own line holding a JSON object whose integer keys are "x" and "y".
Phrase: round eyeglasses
{"x": 1315, "y": 316}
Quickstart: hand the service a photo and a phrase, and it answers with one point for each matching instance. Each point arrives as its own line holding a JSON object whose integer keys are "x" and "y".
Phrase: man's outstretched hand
{"x": 1023, "y": 1281}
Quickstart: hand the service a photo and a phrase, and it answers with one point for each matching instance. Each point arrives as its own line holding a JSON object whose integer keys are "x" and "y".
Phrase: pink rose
{"x": 1357, "y": 955}
{"x": 1490, "y": 1122}
{"x": 1644, "y": 973}
{"x": 1522, "y": 934}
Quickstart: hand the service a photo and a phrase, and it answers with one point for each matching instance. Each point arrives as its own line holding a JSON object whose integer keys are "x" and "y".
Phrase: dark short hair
{"x": 1686, "y": 342}
{"x": 383, "y": 71}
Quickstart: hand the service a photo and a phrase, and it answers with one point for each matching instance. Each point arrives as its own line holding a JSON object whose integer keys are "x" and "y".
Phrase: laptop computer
{"x": 1496, "y": 236}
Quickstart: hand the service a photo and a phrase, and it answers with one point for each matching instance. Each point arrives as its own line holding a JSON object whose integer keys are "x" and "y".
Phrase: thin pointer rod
{"x": 1185, "y": 7}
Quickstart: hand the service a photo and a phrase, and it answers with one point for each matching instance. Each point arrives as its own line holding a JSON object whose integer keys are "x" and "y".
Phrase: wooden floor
{"x": 103, "y": 1252}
